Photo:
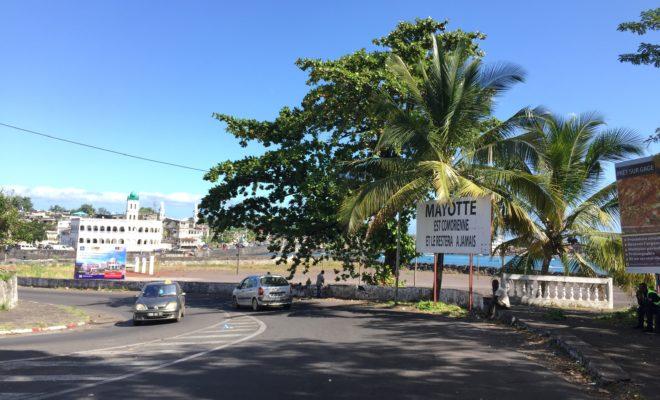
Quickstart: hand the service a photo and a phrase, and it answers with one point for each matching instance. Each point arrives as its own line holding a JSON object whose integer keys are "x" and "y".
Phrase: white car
{"x": 259, "y": 291}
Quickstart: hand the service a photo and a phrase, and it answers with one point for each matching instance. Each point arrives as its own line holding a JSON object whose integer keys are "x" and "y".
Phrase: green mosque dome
{"x": 133, "y": 196}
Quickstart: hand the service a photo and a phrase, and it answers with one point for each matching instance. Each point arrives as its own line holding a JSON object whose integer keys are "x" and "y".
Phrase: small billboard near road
{"x": 100, "y": 261}
{"x": 460, "y": 226}
{"x": 638, "y": 184}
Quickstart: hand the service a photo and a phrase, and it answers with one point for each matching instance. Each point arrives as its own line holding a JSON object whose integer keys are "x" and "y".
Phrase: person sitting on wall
{"x": 500, "y": 299}
{"x": 642, "y": 306}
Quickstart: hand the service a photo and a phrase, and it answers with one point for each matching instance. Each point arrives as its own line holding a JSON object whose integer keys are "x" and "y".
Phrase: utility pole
{"x": 238, "y": 256}
{"x": 398, "y": 253}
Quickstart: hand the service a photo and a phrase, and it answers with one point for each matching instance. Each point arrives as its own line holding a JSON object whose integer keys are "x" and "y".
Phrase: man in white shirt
{"x": 500, "y": 298}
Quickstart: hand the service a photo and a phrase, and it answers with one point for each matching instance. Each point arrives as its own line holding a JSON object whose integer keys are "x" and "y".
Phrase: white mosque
{"x": 137, "y": 234}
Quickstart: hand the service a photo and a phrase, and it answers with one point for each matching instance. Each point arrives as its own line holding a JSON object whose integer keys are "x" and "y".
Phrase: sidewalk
{"x": 637, "y": 353}
{"x": 30, "y": 316}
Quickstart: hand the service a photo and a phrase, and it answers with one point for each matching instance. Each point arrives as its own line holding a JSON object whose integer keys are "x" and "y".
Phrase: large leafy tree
{"x": 86, "y": 208}
{"x": 436, "y": 144}
{"x": 13, "y": 227}
{"x": 578, "y": 226}
{"x": 647, "y": 53}
{"x": 437, "y": 139}
{"x": 291, "y": 194}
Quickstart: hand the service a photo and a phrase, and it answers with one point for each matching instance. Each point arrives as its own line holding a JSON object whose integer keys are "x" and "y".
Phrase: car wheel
{"x": 287, "y": 306}
{"x": 255, "y": 305}
{"x": 137, "y": 323}
{"x": 234, "y": 302}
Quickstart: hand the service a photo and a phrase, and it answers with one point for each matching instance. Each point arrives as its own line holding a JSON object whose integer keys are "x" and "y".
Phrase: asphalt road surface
{"x": 318, "y": 349}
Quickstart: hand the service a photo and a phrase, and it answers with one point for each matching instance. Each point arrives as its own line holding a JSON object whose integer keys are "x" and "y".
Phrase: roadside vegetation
{"x": 625, "y": 318}
{"x": 428, "y": 307}
{"x": 58, "y": 271}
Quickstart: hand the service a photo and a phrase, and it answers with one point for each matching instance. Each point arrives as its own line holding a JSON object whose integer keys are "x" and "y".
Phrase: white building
{"x": 137, "y": 234}
{"x": 184, "y": 233}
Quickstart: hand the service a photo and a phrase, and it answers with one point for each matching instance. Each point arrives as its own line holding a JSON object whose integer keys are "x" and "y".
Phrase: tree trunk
{"x": 545, "y": 267}
{"x": 439, "y": 263}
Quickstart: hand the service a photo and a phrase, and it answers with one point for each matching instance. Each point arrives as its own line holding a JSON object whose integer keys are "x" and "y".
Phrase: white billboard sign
{"x": 460, "y": 226}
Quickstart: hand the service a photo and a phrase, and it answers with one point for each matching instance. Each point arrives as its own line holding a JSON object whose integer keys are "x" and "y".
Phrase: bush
{"x": 441, "y": 308}
{"x": 5, "y": 275}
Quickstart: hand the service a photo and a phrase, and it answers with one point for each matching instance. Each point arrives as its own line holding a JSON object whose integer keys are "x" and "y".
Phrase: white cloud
{"x": 49, "y": 193}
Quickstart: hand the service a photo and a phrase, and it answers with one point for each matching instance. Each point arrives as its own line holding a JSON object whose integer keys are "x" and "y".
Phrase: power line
{"x": 102, "y": 148}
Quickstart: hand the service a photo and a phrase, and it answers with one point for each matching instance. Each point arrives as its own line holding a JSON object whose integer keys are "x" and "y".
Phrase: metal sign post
{"x": 470, "y": 290}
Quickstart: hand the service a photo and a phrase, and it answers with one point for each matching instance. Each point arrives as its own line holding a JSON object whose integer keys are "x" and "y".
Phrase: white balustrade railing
{"x": 560, "y": 291}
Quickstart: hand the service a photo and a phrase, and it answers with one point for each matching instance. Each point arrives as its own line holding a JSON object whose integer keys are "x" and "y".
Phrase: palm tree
{"x": 577, "y": 226}
{"x": 437, "y": 140}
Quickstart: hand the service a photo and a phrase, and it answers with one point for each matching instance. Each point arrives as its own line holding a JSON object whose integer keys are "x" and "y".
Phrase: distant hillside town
{"x": 141, "y": 229}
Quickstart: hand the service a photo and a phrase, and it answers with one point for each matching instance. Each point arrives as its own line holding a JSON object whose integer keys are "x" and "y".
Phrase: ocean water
{"x": 481, "y": 261}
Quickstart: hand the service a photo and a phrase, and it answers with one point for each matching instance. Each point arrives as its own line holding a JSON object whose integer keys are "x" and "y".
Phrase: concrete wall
{"x": 223, "y": 289}
{"x": 8, "y": 293}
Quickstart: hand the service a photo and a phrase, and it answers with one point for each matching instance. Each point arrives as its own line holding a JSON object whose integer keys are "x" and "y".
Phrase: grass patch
{"x": 43, "y": 270}
{"x": 623, "y": 317}
{"x": 555, "y": 315}
{"x": 6, "y": 327}
{"x": 429, "y": 307}
{"x": 77, "y": 313}
{"x": 447, "y": 310}
{"x": 5, "y": 275}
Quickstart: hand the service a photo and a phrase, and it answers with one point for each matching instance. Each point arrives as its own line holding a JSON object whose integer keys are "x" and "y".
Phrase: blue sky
{"x": 145, "y": 77}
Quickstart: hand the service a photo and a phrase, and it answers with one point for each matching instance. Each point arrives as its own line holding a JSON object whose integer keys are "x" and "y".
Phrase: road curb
{"x": 37, "y": 329}
{"x": 598, "y": 365}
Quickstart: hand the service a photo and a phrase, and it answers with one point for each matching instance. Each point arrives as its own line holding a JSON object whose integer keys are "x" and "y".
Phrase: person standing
{"x": 320, "y": 280}
{"x": 653, "y": 311}
{"x": 642, "y": 304}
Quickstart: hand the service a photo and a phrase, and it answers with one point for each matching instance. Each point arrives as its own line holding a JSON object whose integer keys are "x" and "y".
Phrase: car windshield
{"x": 159, "y": 290}
{"x": 274, "y": 281}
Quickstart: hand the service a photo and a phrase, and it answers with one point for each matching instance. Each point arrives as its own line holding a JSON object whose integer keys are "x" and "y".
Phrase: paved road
{"x": 318, "y": 350}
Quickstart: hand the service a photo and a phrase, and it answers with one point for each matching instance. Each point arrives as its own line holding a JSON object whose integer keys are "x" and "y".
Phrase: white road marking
{"x": 262, "y": 328}
{"x": 50, "y": 378}
{"x": 17, "y": 396}
{"x": 74, "y": 363}
{"x": 217, "y": 336}
{"x": 123, "y": 346}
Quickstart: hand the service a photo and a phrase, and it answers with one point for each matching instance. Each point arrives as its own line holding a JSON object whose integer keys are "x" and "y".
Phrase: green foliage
{"x": 30, "y": 231}
{"x": 9, "y": 219}
{"x": 104, "y": 211}
{"x": 291, "y": 194}
{"x": 624, "y": 317}
{"x": 440, "y": 308}
{"x": 233, "y": 236}
{"x": 14, "y": 228}
{"x": 647, "y": 53}
{"x": 655, "y": 138}
{"x": 5, "y": 275}
{"x": 144, "y": 211}
{"x": 576, "y": 226}
{"x": 436, "y": 139}
{"x": 57, "y": 209}
{"x": 22, "y": 203}
{"x": 555, "y": 314}
{"x": 86, "y": 208}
